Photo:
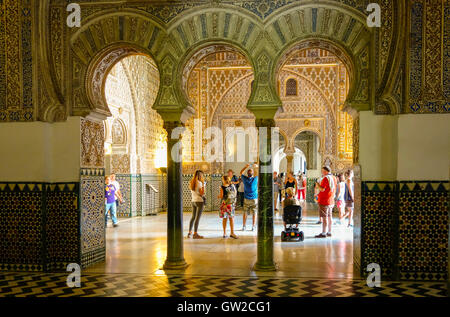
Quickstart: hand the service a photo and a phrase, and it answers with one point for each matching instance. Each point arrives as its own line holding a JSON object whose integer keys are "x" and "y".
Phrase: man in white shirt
{"x": 117, "y": 186}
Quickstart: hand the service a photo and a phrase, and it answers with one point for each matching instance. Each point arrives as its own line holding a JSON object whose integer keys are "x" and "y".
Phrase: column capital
{"x": 268, "y": 123}
{"x": 289, "y": 151}
{"x": 169, "y": 126}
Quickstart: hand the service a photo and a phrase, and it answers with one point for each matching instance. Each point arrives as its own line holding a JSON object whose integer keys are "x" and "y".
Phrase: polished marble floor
{"x": 138, "y": 245}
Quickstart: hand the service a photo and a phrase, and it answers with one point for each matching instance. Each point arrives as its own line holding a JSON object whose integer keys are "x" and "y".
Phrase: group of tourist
{"x": 242, "y": 190}
{"x": 282, "y": 183}
{"x": 329, "y": 191}
{"x": 113, "y": 197}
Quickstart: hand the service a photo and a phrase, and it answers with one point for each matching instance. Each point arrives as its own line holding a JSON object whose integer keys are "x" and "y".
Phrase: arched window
{"x": 291, "y": 87}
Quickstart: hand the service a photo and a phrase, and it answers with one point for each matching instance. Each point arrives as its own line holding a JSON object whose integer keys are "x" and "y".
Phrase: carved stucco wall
{"x": 130, "y": 91}
{"x": 219, "y": 87}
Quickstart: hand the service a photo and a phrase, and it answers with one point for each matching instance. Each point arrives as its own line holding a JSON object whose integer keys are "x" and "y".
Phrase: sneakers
{"x": 243, "y": 228}
{"x": 115, "y": 225}
{"x": 233, "y": 236}
{"x": 253, "y": 228}
{"x": 318, "y": 222}
{"x": 197, "y": 236}
{"x": 324, "y": 235}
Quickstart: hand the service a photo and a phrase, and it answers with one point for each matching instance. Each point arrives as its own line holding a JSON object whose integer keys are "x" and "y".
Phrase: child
{"x": 228, "y": 195}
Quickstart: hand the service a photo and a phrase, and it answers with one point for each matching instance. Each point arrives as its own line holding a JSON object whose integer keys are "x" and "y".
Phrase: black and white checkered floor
{"x": 141, "y": 285}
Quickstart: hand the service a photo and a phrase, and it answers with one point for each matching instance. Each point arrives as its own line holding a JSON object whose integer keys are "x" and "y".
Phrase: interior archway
{"x": 216, "y": 81}
{"x": 313, "y": 84}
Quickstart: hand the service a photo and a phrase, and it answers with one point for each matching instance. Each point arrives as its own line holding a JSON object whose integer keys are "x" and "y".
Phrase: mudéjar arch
{"x": 108, "y": 36}
{"x": 338, "y": 29}
{"x": 100, "y": 43}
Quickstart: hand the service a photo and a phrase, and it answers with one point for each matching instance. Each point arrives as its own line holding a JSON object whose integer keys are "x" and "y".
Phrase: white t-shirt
{"x": 117, "y": 186}
{"x": 241, "y": 187}
{"x": 196, "y": 197}
{"x": 341, "y": 186}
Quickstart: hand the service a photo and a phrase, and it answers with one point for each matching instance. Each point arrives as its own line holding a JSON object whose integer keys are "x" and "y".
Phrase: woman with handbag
{"x": 197, "y": 187}
{"x": 227, "y": 208}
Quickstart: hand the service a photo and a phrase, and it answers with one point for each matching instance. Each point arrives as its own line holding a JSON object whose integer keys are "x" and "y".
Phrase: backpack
{"x": 229, "y": 194}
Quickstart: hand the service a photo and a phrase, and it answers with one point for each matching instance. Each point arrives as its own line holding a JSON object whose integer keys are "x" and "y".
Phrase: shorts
{"x": 349, "y": 204}
{"x": 227, "y": 211}
{"x": 340, "y": 204}
{"x": 250, "y": 206}
{"x": 326, "y": 211}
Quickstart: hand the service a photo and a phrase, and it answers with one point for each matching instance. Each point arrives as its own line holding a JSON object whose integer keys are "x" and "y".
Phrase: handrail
{"x": 152, "y": 188}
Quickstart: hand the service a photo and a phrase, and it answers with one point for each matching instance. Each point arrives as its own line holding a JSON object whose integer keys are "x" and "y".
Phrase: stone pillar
{"x": 357, "y": 220}
{"x": 265, "y": 261}
{"x": 289, "y": 159}
{"x": 175, "y": 252}
{"x": 290, "y": 163}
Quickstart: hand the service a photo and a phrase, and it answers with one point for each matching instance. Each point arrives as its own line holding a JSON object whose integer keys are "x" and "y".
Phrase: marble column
{"x": 265, "y": 261}
{"x": 175, "y": 253}
{"x": 290, "y": 163}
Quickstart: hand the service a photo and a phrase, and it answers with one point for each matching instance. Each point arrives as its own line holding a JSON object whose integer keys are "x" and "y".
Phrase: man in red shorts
{"x": 327, "y": 190}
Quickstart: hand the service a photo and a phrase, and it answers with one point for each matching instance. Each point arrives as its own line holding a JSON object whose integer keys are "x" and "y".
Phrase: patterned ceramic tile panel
{"x": 214, "y": 190}
{"x": 136, "y": 192}
{"x": 405, "y": 228}
{"x": 310, "y": 189}
{"x": 213, "y": 183}
{"x": 186, "y": 192}
{"x": 92, "y": 218}
{"x": 62, "y": 226}
{"x": 21, "y": 218}
{"x": 13, "y": 284}
{"x": 379, "y": 216}
{"x": 124, "y": 210}
{"x": 423, "y": 230}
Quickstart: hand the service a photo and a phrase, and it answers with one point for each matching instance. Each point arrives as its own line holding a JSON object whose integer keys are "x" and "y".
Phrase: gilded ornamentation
{"x": 433, "y": 50}
{"x": 16, "y": 102}
{"x": 92, "y": 144}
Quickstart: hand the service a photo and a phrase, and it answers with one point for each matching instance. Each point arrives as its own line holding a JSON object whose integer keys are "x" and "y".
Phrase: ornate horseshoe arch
{"x": 333, "y": 27}
{"x": 98, "y": 45}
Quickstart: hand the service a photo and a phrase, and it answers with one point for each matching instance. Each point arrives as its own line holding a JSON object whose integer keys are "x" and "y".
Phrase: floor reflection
{"x": 138, "y": 245}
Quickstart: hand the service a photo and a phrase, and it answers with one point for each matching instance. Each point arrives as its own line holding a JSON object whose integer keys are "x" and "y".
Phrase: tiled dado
{"x": 423, "y": 230}
{"x": 310, "y": 185}
{"x": 405, "y": 228}
{"x": 38, "y": 226}
{"x": 378, "y": 226}
{"x": 92, "y": 216}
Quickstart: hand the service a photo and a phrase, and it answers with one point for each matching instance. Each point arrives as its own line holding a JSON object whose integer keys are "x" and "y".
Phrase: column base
{"x": 357, "y": 271}
{"x": 265, "y": 267}
{"x": 175, "y": 265}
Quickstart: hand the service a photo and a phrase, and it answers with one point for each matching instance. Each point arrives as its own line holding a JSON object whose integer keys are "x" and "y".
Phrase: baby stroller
{"x": 292, "y": 215}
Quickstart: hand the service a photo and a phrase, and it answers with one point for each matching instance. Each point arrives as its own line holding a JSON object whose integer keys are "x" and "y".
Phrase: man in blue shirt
{"x": 110, "y": 201}
{"x": 250, "y": 194}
